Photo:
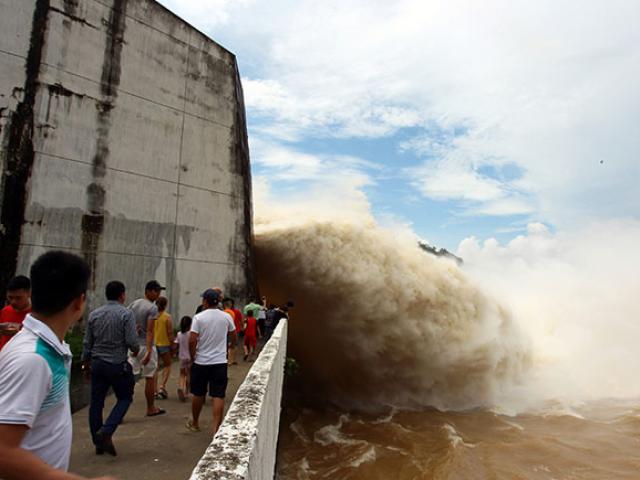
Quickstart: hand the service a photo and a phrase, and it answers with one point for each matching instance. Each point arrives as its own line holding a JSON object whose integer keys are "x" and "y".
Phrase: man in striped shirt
{"x": 35, "y": 414}
{"x": 110, "y": 333}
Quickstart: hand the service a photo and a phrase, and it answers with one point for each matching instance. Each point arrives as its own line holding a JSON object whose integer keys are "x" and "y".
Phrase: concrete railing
{"x": 245, "y": 446}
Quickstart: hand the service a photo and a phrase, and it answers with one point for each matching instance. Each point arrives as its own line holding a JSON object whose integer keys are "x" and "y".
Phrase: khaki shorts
{"x": 148, "y": 370}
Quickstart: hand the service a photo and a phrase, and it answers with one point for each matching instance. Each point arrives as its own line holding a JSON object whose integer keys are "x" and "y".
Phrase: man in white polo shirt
{"x": 35, "y": 414}
{"x": 208, "y": 348}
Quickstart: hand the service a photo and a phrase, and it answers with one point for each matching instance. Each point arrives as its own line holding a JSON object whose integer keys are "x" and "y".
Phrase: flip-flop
{"x": 156, "y": 413}
{"x": 191, "y": 427}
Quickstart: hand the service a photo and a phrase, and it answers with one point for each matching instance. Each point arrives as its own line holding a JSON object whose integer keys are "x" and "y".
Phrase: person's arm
{"x": 130, "y": 334}
{"x": 87, "y": 345}
{"x": 231, "y": 329}
{"x": 151, "y": 322}
{"x": 193, "y": 342}
{"x": 170, "y": 329}
{"x": 18, "y": 464}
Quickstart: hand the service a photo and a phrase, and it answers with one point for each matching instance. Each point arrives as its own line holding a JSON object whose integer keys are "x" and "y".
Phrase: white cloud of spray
{"x": 576, "y": 297}
{"x": 547, "y": 319}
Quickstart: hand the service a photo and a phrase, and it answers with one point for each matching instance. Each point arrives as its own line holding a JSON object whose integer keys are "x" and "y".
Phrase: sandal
{"x": 156, "y": 413}
{"x": 181, "y": 395}
{"x": 163, "y": 394}
{"x": 191, "y": 427}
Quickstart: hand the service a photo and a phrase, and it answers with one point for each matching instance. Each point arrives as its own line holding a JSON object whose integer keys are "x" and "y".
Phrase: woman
{"x": 164, "y": 341}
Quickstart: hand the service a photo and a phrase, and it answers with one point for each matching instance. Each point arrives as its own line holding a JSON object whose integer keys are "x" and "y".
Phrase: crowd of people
{"x": 121, "y": 343}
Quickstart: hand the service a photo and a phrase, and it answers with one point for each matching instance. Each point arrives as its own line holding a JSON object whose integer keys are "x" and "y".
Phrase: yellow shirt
{"x": 160, "y": 330}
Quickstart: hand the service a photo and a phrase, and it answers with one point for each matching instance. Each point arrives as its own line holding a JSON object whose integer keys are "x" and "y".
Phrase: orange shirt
{"x": 10, "y": 315}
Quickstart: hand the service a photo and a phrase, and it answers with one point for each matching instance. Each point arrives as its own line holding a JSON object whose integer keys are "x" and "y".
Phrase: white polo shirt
{"x": 34, "y": 391}
{"x": 212, "y": 326}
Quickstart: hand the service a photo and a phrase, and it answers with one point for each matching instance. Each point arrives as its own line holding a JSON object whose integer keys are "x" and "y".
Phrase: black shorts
{"x": 215, "y": 376}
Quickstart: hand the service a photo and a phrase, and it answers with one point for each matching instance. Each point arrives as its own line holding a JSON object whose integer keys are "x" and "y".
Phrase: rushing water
{"x": 412, "y": 367}
{"x": 599, "y": 441}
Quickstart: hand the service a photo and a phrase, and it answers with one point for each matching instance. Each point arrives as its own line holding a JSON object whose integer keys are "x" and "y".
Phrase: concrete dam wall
{"x": 123, "y": 139}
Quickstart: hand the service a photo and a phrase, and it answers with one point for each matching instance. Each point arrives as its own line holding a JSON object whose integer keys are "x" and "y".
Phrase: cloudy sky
{"x": 455, "y": 117}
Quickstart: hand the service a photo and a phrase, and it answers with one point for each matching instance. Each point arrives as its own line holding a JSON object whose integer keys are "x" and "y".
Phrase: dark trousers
{"x": 106, "y": 375}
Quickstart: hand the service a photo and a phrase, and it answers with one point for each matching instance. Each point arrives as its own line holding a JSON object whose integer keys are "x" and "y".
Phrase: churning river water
{"x": 600, "y": 441}
{"x": 410, "y": 367}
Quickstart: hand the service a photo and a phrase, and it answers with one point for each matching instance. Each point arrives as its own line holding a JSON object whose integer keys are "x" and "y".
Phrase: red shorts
{"x": 250, "y": 341}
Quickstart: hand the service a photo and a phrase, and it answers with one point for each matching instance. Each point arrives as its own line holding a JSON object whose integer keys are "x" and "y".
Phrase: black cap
{"x": 211, "y": 296}
{"x": 154, "y": 285}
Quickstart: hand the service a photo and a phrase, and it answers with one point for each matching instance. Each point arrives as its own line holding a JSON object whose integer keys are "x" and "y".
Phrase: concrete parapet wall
{"x": 245, "y": 446}
{"x": 123, "y": 138}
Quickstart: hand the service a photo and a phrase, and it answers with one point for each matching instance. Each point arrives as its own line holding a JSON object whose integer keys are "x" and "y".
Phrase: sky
{"x": 454, "y": 118}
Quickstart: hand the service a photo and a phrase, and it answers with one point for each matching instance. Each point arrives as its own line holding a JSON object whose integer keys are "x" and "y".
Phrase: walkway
{"x": 153, "y": 448}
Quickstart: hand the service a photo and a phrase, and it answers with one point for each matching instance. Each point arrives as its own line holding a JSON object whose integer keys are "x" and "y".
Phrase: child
{"x": 250, "y": 335}
{"x": 182, "y": 339}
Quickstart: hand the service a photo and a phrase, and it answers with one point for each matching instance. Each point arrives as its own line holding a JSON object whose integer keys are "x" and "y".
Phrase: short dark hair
{"x": 19, "y": 283}
{"x": 185, "y": 324}
{"x": 114, "y": 290}
{"x": 57, "y": 278}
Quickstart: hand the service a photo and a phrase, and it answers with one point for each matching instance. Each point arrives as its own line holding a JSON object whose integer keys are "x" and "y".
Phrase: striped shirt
{"x": 110, "y": 333}
{"x": 34, "y": 391}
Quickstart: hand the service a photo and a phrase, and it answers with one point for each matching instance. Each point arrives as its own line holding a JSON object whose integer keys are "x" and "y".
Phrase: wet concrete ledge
{"x": 245, "y": 446}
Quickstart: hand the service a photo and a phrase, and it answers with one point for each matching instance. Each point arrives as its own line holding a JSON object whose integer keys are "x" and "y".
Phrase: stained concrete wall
{"x": 123, "y": 138}
{"x": 244, "y": 447}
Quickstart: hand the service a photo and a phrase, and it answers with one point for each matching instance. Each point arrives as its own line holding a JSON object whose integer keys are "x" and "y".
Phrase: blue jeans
{"x": 106, "y": 375}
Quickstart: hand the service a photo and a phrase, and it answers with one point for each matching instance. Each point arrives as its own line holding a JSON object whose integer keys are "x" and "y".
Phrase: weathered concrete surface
{"x": 151, "y": 448}
{"x": 245, "y": 446}
{"x": 123, "y": 138}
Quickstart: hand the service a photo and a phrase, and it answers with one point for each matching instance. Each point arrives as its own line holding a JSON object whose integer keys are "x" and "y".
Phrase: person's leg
{"x": 217, "y": 390}
{"x": 182, "y": 380}
{"x": 166, "y": 359}
{"x": 199, "y": 390}
{"x": 122, "y": 382}
{"x": 197, "y": 402}
{"x": 148, "y": 372}
{"x": 150, "y": 393}
{"x": 218, "y": 413}
{"x": 99, "y": 388}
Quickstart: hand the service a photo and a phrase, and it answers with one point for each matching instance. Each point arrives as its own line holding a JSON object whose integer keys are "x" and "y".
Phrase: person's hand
{"x": 86, "y": 372}
{"x": 146, "y": 358}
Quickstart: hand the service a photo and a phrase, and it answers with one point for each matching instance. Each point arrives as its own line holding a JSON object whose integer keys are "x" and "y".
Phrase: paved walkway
{"x": 153, "y": 448}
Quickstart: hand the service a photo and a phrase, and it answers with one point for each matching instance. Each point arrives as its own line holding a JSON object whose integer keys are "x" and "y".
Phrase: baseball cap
{"x": 211, "y": 296}
{"x": 154, "y": 285}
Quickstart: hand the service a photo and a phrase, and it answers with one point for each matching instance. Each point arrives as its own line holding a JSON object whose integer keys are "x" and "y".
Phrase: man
{"x": 145, "y": 362}
{"x": 201, "y": 307}
{"x": 229, "y": 307}
{"x": 271, "y": 321}
{"x": 208, "y": 348}
{"x": 110, "y": 333}
{"x": 19, "y": 305}
{"x": 35, "y": 414}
